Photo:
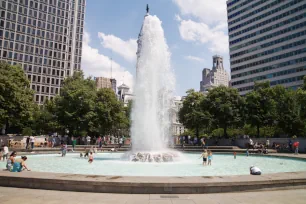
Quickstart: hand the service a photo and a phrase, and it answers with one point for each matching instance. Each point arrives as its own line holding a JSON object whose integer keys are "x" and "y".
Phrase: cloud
{"x": 207, "y": 11}
{"x": 126, "y": 49}
{"x": 194, "y": 58}
{"x": 209, "y": 26}
{"x": 193, "y": 31}
{"x": 98, "y": 65}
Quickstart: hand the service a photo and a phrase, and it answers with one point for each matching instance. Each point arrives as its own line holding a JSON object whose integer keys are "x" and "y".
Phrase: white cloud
{"x": 126, "y": 49}
{"x": 193, "y": 31}
{"x": 210, "y": 26}
{"x": 98, "y": 65}
{"x": 194, "y": 58}
{"x": 208, "y": 11}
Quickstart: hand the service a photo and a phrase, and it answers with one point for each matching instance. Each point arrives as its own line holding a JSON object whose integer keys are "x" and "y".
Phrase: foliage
{"x": 193, "y": 115}
{"x": 261, "y": 106}
{"x": 27, "y": 131}
{"x": 225, "y": 106}
{"x": 16, "y": 97}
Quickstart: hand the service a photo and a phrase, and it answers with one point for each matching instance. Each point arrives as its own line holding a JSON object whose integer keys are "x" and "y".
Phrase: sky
{"x": 195, "y": 30}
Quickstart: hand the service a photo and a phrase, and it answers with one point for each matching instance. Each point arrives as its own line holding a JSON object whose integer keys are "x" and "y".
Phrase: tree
{"x": 110, "y": 114}
{"x": 226, "y": 107}
{"x": 74, "y": 107}
{"x": 16, "y": 97}
{"x": 261, "y": 107}
{"x": 192, "y": 115}
{"x": 287, "y": 111}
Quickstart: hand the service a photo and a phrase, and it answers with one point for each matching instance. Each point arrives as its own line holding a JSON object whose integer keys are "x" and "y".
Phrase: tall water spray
{"x": 154, "y": 88}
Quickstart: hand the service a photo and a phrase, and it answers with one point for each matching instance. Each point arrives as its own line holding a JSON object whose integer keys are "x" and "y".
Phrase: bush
{"x": 27, "y": 131}
{"x": 218, "y": 132}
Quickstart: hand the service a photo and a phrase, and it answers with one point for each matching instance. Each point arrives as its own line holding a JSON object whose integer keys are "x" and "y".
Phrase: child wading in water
{"x": 204, "y": 155}
{"x": 209, "y": 157}
{"x": 90, "y": 160}
{"x": 235, "y": 155}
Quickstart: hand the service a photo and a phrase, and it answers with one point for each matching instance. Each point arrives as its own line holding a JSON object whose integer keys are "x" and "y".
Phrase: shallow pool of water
{"x": 112, "y": 164}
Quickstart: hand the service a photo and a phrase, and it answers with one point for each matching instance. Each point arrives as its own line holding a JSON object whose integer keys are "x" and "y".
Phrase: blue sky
{"x": 195, "y": 30}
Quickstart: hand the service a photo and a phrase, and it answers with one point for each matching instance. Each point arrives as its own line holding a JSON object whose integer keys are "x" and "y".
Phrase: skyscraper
{"x": 267, "y": 42}
{"x": 45, "y": 38}
{"x": 214, "y": 77}
{"x": 103, "y": 82}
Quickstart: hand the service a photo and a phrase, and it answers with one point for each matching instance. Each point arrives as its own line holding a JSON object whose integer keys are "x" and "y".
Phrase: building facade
{"x": 44, "y": 37}
{"x": 103, "y": 82}
{"x": 214, "y": 77}
{"x": 267, "y": 41}
{"x": 177, "y": 127}
{"x": 124, "y": 94}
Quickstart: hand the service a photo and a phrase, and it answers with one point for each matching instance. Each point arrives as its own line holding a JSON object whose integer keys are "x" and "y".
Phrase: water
{"x": 153, "y": 91}
{"x": 111, "y": 164}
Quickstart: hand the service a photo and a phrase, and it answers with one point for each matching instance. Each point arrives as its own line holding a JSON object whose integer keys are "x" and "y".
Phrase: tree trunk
{"x": 258, "y": 131}
{"x": 225, "y": 132}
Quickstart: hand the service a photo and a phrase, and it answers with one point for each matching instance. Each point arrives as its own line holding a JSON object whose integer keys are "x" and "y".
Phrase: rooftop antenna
{"x": 111, "y": 64}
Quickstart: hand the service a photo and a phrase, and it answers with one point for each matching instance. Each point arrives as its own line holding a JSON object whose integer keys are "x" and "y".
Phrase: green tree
{"x": 287, "y": 111}
{"x": 16, "y": 97}
{"x": 74, "y": 107}
{"x": 261, "y": 106}
{"x": 226, "y": 107}
{"x": 192, "y": 114}
{"x": 110, "y": 113}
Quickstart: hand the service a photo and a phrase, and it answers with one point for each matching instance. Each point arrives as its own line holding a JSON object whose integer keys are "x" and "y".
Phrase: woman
{"x": 11, "y": 161}
{"x": 20, "y": 164}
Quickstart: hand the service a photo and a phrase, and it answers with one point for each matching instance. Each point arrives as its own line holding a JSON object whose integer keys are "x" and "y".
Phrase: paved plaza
{"x": 29, "y": 196}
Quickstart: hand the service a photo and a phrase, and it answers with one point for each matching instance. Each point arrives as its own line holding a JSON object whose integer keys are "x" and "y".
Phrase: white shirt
{"x": 5, "y": 150}
{"x": 32, "y": 139}
{"x": 255, "y": 170}
{"x": 88, "y": 138}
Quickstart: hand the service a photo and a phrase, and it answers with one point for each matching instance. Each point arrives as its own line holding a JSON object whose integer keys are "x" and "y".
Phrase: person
{"x": 290, "y": 145}
{"x": 73, "y": 143}
{"x": 100, "y": 142}
{"x": 209, "y": 157}
{"x": 247, "y": 152}
{"x": 1, "y": 153}
{"x": 255, "y": 170}
{"x": 64, "y": 150}
{"x": 5, "y": 152}
{"x": 204, "y": 156}
{"x": 267, "y": 143}
{"x": 235, "y": 155}
{"x": 90, "y": 160}
{"x": 296, "y": 147}
{"x": 32, "y": 141}
{"x": 20, "y": 165}
{"x": 95, "y": 150}
{"x": 53, "y": 141}
{"x": 120, "y": 142}
{"x": 11, "y": 161}
{"x": 27, "y": 142}
{"x": 203, "y": 143}
{"x": 86, "y": 152}
{"x": 88, "y": 140}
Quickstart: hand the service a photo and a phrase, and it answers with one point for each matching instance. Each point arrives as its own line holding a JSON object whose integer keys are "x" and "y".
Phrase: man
{"x": 255, "y": 170}
{"x": 88, "y": 140}
{"x": 32, "y": 141}
{"x": 27, "y": 142}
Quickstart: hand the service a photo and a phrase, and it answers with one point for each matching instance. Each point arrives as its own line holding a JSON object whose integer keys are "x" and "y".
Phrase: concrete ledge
{"x": 152, "y": 185}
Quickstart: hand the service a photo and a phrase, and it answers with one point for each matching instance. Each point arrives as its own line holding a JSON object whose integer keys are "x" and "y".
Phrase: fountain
{"x": 151, "y": 123}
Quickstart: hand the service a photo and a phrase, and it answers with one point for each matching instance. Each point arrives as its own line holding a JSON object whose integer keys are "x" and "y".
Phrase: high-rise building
{"x": 214, "y": 77}
{"x": 45, "y": 38}
{"x": 103, "y": 82}
{"x": 267, "y": 41}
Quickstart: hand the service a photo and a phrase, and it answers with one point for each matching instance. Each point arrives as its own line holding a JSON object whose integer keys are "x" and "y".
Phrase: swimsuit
{"x": 209, "y": 157}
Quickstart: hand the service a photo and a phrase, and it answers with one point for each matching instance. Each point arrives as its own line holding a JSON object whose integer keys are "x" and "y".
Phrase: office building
{"x": 124, "y": 94}
{"x": 45, "y": 38}
{"x": 267, "y": 42}
{"x": 103, "y": 82}
{"x": 214, "y": 77}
